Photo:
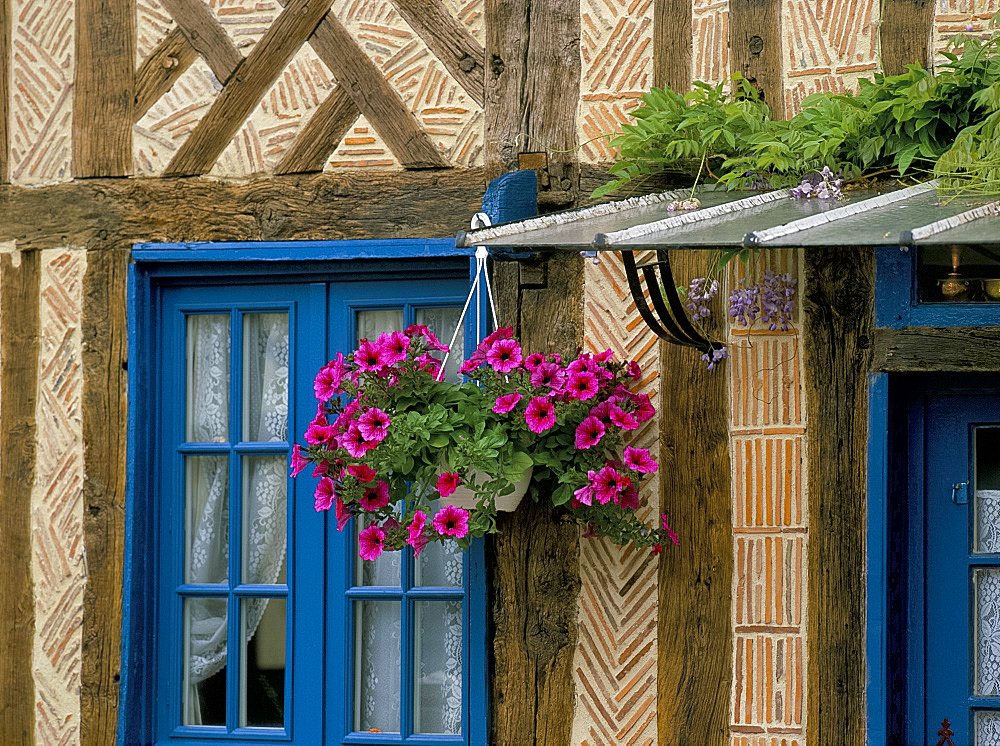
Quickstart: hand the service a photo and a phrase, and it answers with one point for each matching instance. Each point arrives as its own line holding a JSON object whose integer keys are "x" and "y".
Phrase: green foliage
{"x": 895, "y": 124}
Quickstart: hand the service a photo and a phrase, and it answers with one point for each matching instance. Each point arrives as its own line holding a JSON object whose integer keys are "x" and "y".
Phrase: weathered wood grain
{"x": 755, "y": 39}
{"x": 373, "y": 95}
{"x": 694, "y": 637}
{"x": 103, "y": 88}
{"x": 905, "y": 34}
{"x": 245, "y": 89}
{"x": 672, "y": 43}
{"x": 927, "y": 349}
{"x": 534, "y": 560}
{"x": 158, "y": 72}
{"x": 5, "y": 64}
{"x": 324, "y": 130}
{"x": 838, "y": 303}
{"x": 457, "y": 49}
{"x": 19, "y": 288}
{"x": 532, "y": 88}
{"x": 105, "y": 351}
{"x": 206, "y": 35}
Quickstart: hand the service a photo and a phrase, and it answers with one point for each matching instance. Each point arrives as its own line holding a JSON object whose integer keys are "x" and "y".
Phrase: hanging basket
{"x": 463, "y": 497}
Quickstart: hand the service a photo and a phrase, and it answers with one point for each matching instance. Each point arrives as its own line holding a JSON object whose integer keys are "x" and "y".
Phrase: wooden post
{"x": 755, "y": 39}
{"x": 19, "y": 287}
{"x": 904, "y": 34}
{"x": 672, "y": 43}
{"x": 694, "y": 635}
{"x": 839, "y": 319}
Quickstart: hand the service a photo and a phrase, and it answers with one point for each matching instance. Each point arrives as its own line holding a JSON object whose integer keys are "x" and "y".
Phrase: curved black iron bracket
{"x": 667, "y": 317}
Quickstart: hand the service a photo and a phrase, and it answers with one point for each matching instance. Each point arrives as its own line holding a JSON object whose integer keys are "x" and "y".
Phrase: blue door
{"x": 954, "y": 571}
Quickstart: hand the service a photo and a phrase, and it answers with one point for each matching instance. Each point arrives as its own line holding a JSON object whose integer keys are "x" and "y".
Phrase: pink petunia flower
{"x": 473, "y": 363}
{"x": 656, "y": 548}
{"x": 373, "y": 424}
{"x": 375, "y": 497}
{"x": 447, "y": 483}
{"x": 430, "y": 339}
{"x": 540, "y": 414}
{"x": 608, "y": 484}
{"x": 428, "y": 364}
{"x": 628, "y": 499}
{"x": 602, "y": 411}
{"x": 369, "y": 356}
{"x": 638, "y": 459}
{"x": 343, "y": 514}
{"x": 533, "y": 361}
{"x": 363, "y": 472}
{"x": 581, "y": 385}
{"x": 584, "y": 495}
{"x": 353, "y": 441}
{"x": 603, "y": 357}
{"x": 319, "y": 431}
{"x": 624, "y": 420}
{"x": 548, "y": 374}
{"x": 325, "y": 493}
{"x": 504, "y": 355}
{"x": 321, "y": 468}
{"x": 632, "y": 368}
{"x": 417, "y": 539}
{"x": 669, "y": 531}
{"x": 394, "y": 346}
{"x": 589, "y": 532}
{"x": 370, "y": 543}
{"x": 452, "y": 521}
{"x": 589, "y": 433}
{"x": 583, "y": 364}
{"x": 506, "y": 403}
{"x": 327, "y": 384}
{"x": 299, "y": 462}
{"x": 504, "y": 332}
{"x": 646, "y": 410}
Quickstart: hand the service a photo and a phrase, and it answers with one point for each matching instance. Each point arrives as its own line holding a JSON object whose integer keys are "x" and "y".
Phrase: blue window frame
{"x": 174, "y": 290}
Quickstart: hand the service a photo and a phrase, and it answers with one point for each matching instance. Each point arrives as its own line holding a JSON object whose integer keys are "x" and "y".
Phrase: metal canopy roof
{"x": 914, "y": 215}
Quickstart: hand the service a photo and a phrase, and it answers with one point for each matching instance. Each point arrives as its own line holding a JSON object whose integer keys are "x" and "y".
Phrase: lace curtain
{"x": 265, "y": 385}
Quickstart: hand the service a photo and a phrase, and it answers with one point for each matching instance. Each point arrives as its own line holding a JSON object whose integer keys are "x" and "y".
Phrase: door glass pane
{"x": 206, "y": 519}
{"x": 987, "y": 632}
{"x": 262, "y": 685}
{"x": 442, "y": 321}
{"x": 987, "y": 486}
{"x": 439, "y": 564}
{"x": 207, "y": 378}
{"x": 204, "y": 693}
{"x": 265, "y": 515}
{"x": 987, "y": 727}
{"x": 369, "y": 324}
{"x": 437, "y": 667}
{"x": 386, "y": 570}
{"x": 265, "y": 376}
{"x": 377, "y": 666}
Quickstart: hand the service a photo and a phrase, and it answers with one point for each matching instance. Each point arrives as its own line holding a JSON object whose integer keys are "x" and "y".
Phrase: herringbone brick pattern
{"x": 710, "y": 34}
{"x": 770, "y": 532}
{"x": 962, "y": 17}
{"x": 41, "y": 106}
{"x": 57, "y": 502}
{"x": 615, "y": 662}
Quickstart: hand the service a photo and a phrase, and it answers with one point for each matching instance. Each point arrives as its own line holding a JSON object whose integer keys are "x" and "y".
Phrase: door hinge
{"x": 960, "y": 493}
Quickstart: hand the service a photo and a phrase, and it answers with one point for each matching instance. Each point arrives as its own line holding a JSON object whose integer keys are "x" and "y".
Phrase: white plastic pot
{"x": 463, "y": 497}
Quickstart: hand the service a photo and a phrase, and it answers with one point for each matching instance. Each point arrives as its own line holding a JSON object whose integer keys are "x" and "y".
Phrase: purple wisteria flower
{"x": 699, "y": 294}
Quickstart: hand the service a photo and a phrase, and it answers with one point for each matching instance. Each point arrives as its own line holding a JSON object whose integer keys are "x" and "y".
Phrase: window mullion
{"x": 233, "y": 698}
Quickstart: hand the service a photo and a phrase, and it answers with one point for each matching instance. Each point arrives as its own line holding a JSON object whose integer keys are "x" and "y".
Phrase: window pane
{"x": 442, "y": 321}
{"x": 987, "y": 631}
{"x": 987, "y": 727}
{"x": 987, "y": 486}
{"x": 437, "y": 666}
{"x": 384, "y": 571}
{"x": 205, "y": 655}
{"x": 262, "y": 690}
{"x": 964, "y": 274}
{"x": 439, "y": 564}
{"x": 265, "y": 517}
{"x": 208, "y": 378}
{"x": 265, "y": 376}
{"x": 206, "y": 519}
{"x": 372, "y": 323}
{"x": 376, "y": 665}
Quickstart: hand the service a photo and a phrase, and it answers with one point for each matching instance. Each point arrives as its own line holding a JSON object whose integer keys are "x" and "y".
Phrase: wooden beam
{"x": 694, "y": 636}
{"x": 954, "y": 349}
{"x": 755, "y": 38}
{"x": 245, "y": 89}
{"x": 672, "y": 44}
{"x": 158, "y": 72}
{"x": 5, "y": 66}
{"x": 373, "y": 95}
{"x": 206, "y": 35}
{"x": 905, "y": 34}
{"x": 103, "y": 88}
{"x": 324, "y": 130}
{"x": 19, "y": 288}
{"x": 838, "y": 301}
{"x": 449, "y": 40}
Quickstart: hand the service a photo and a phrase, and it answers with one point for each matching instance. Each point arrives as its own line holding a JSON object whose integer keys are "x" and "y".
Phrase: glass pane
{"x": 384, "y": 571}
{"x": 265, "y": 517}
{"x": 437, "y": 667}
{"x": 206, "y": 519}
{"x": 265, "y": 376}
{"x": 262, "y": 690}
{"x": 205, "y": 655}
{"x": 208, "y": 378}
{"x": 987, "y": 727}
{"x": 376, "y": 666}
{"x": 372, "y": 323}
{"x": 442, "y": 321}
{"x": 963, "y": 274}
{"x": 439, "y": 564}
{"x": 987, "y": 631}
{"x": 987, "y": 486}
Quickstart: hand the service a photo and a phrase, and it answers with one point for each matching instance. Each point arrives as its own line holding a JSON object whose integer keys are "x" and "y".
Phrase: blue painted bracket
{"x": 513, "y": 196}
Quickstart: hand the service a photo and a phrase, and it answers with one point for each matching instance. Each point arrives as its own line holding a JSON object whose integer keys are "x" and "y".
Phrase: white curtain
{"x": 265, "y": 416}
